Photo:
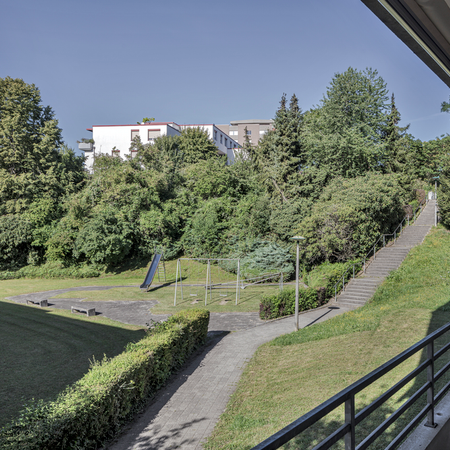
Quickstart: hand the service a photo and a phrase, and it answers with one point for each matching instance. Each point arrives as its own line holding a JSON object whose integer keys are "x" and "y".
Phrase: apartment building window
{"x": 226, "y": 142}
{"x": 220, "y": 138}
{"x": 249, "y": 132}
{"x": 233, "y": 133}
{"x": 215, "y": 135}
{"x": 152, "y": 135}
{"x": 134, "y": 133}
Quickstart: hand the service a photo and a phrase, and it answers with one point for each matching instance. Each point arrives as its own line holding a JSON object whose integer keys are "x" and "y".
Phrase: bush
{"x": 51, "y": 270}
{"x": 349, "y": 216}
{"x": 93, "y": 409}
{"x": 15, "y": 240}
{"x": 327, "y": 275}
{"x": 283, "y": 303}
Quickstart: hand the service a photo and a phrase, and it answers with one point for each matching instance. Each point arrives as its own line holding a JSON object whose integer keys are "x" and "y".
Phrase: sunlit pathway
{"x": 185, "y": 412}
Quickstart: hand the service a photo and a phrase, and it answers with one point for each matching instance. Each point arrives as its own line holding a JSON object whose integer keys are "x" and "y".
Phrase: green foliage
{"x": 444, "y": 193}
{"x": 15, "y": 240}
{"x": 283, "y": 303}
{"x": 92, "y": 409}
{"x": 195, "y": 145}
{"x": 343, "y": 137}
{"x": 279, "y": 154}
{"x": 105, "y": 239}
{"x": 350, "y": 216}
{"x": 259, "y": 257}
{"x": 51, "y": 269}
{"x": 205, "y": 231}
{"x": 326, "y": 275}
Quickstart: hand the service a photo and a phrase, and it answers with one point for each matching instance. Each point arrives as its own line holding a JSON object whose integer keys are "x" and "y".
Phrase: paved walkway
{"x": 184, "y": 413}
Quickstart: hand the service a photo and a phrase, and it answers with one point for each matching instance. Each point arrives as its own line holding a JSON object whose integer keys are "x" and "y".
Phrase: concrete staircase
{"x": 359, "y": 290}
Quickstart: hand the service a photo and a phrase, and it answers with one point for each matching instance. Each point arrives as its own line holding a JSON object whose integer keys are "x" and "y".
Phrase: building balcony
{"x": 85, "y": 146}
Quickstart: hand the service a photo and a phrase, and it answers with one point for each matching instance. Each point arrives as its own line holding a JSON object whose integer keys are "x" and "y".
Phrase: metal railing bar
{"x": 297, "y": 426}
{"x": 304, "y": 422}
{"x": 411, "y": 425}
{"x": 442, "y": 350}
{"x": 393, "y": 417}
{"x": 442, "y": 392}
{"x": 365, "y": 412}
{"x": 442, "y": 372}
{"x": 333, "y": 438}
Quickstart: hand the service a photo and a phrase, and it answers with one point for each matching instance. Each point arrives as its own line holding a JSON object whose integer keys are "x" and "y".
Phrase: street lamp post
{"x": 435, "y": 200}
{"x": 297, "y": 239}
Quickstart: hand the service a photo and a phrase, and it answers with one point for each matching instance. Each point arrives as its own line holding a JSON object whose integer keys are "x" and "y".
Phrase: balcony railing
{"x": 347, "y": 397}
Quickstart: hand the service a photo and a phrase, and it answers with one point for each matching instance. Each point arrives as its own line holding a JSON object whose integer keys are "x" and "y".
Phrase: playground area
{"x": 184, "y": 284}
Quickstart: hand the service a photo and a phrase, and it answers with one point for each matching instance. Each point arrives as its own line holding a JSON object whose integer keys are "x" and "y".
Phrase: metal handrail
{"x": 347, "y": 397}
{"x": 374, "y": 247}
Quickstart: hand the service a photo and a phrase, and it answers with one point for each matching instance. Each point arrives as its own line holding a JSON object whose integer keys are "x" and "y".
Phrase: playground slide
{"x": 151, "y": 272}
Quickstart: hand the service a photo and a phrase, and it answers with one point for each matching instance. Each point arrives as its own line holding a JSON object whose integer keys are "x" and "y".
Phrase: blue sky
{"x": 114, "y": 62}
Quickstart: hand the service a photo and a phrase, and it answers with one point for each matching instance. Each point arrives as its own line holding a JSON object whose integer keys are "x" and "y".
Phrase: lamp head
{"x": 297, "y": 238}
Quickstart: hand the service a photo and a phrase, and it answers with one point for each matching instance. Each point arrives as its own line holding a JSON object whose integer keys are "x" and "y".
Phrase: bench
{"x": 41, "y": 303}
{"x": 88, "y": 311}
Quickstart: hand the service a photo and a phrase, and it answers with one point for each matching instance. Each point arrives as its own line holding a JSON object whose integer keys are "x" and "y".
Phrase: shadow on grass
{"x": 43, "y": 353}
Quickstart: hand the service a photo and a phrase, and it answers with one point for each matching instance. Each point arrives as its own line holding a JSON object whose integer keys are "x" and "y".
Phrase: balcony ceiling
{"x": 423, "y": 25}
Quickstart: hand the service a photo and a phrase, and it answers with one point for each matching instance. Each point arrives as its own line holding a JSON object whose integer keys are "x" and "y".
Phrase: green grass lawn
{"x": 45, "y": 350}
{"x": 294, "y": 373}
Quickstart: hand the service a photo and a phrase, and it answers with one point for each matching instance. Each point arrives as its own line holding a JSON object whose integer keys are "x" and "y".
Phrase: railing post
{"x": 350, "y": 441}
{"x": 343, "y": 283}
{"x": 395, "y": 236}
{"x": 430, "y": 390}
{"x": 364, "y": 264}
{"x": 353, "y": 271}
{"x": 384, "y": 240}
{"x": 374, "y": 252}
{"x": 401, "y": 228}
{"x": 335, "y": 292}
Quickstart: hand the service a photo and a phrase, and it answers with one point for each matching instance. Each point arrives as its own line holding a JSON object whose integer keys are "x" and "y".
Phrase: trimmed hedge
{"x": 323, "y": 279}
{"x": 93, "y": 409}
{"x": 283, "y": 303}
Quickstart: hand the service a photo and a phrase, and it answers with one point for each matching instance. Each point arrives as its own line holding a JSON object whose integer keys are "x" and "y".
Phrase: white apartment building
{"x": 116, "y": 140}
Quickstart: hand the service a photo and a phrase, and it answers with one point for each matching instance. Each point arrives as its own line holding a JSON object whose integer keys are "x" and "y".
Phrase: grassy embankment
{"x": 294, "y": 373}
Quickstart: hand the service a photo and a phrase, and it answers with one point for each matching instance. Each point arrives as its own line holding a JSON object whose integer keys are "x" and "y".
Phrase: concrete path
{"x": 184, "y": 413}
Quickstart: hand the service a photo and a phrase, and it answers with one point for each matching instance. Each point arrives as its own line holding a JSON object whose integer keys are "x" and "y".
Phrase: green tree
{"x": 279, "y": 154}
{"x": 195, "y": 145}
{"x": 33, "y": 160}
{"x": 344, "y": 135}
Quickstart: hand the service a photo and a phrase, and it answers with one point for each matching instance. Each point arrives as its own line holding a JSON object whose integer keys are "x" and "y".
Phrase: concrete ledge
{"x": 88, "y": 311}
{"x": 426, "y": 438}
{"x": 41, "y": 303}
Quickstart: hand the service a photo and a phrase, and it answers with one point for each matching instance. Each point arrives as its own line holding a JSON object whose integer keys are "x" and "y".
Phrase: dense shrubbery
{"x": 349, "y": 217}
{"x": 93, "y": 409}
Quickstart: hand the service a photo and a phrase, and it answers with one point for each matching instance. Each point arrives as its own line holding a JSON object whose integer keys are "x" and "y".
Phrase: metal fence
{"x": 347, "y": 398}
{"x": 381, "y": 242}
